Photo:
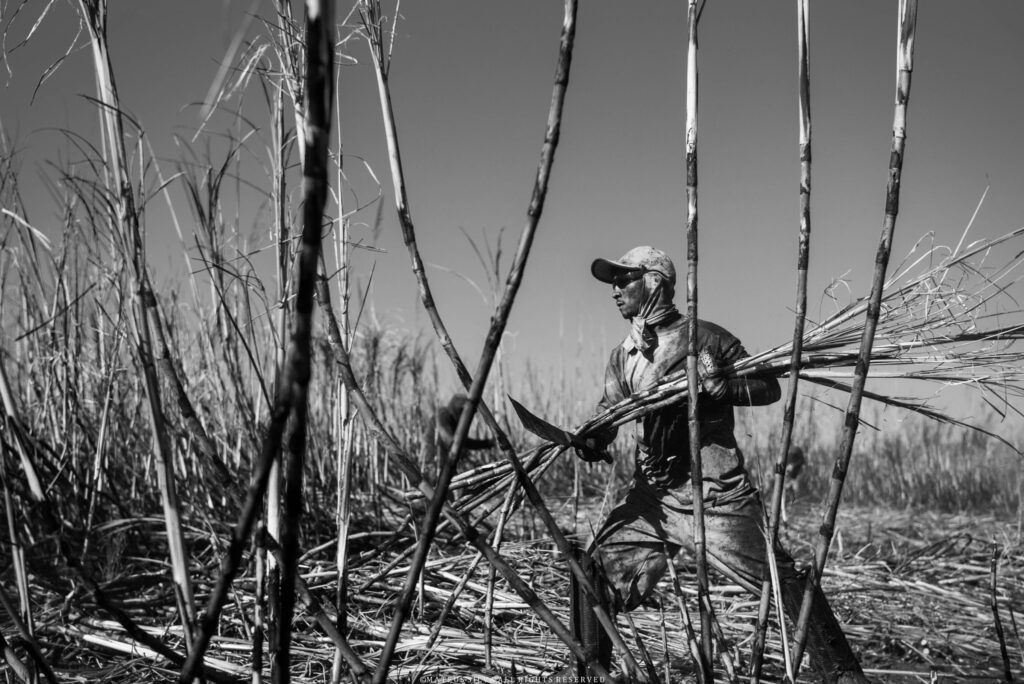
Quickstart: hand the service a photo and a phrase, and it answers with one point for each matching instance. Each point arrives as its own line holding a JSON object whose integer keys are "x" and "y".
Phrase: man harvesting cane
{"x": 655, "y": 520}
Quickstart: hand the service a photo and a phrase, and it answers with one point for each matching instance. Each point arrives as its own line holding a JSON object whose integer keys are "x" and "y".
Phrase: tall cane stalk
{"x": 319, "y": 85}
{"x": 343, "y": 422}
{"x": 130, "y": 237}
{"x": 904, "y": 64}
{"x": 696, "y": 470}
{"x": 802, "y": 261}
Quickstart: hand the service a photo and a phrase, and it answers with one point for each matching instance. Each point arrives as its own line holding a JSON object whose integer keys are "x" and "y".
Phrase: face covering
{"x": 652, "y": 312}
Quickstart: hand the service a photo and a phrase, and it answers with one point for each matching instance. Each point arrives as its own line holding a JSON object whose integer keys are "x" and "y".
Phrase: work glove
{"x": 594, "y": 450}
{"x": 712, "y": 381}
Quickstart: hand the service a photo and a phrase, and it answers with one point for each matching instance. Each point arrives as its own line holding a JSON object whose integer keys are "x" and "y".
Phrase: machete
{"x": 557, "y": 435}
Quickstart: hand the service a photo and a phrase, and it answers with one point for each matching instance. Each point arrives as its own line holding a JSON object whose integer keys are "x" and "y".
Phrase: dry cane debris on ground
{"x": 912, "y": 590}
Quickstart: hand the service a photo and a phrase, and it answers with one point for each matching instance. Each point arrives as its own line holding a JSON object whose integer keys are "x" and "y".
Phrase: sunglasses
{"x": 623, "y": 279}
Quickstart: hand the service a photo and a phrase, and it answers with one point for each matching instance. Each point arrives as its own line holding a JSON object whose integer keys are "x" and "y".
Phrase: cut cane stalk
{"x": 905, "y": 62}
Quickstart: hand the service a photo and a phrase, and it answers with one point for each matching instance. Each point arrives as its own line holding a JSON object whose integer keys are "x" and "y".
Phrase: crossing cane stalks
{"x": 905, "y": 62}
{"x": 802, "y": 262}
{"x": 373, "y": 22}
{"x": 410, "y": 470}
{"x": 292, "y": 386}
{"x": 696, "y": 469}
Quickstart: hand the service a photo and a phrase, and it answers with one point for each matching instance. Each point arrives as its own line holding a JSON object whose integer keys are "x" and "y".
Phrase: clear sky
{"x": 472, "y": 84}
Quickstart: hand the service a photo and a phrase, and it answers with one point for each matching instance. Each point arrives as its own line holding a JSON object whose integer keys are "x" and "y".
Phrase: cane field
{"x": 221, "y": 456}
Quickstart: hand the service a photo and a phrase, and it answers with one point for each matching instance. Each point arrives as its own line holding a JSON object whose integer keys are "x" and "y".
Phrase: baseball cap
{"x": 642, "y": 259}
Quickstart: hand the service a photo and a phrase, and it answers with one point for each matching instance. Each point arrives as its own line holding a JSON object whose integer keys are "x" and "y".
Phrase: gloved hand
{"x": 712, "y": 381}
{"x": 594, "y": 450}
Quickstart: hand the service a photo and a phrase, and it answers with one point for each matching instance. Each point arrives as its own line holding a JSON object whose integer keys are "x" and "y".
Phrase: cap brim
{"x": 605, "y": 270}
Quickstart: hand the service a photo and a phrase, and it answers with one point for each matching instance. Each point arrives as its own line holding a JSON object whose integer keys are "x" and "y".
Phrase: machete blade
{"x": 553, "y": 433}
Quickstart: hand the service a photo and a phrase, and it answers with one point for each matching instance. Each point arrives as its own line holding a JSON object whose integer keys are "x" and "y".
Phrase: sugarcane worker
{"x": 645, "y": 531}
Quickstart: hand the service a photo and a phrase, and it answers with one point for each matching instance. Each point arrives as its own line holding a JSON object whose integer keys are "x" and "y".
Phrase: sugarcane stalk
{"x": 319, "y": 84}
{"x": 667, "y": 674}
{"x": 315, "y": 608}
{"x": 692, "y": 643}
{"x": 696, "y": 471}
{"x": 776, "y": 589}
{"x": 240, "y": 533}
{"x": 802, "y": 262}
{"x": 343, "y": 423}
{"x": 905, "y": 60}
{"x": 723, "y": 651}
{"x": 269, "y": 570}
{"x": 994, "y": 604}
{"x": 95, "y": 14}
{"x": 272, "y": 570}
{"x": 291, "y": 399}
{"x": 259, "y": 613}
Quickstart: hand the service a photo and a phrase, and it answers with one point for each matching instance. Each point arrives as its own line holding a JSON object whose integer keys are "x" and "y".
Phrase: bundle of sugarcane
{"x": 947, "y": 316}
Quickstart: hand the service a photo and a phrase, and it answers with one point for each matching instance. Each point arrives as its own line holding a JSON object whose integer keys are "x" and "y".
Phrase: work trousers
{"x": 644, "y": 532}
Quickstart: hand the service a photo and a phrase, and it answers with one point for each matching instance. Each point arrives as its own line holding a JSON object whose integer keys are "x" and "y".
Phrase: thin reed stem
{"x": 905, "y": 61}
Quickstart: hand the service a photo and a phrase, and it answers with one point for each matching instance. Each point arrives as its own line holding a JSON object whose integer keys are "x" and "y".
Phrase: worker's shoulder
{"x": 617, "y": 352}
{"x": 709, "y": 328}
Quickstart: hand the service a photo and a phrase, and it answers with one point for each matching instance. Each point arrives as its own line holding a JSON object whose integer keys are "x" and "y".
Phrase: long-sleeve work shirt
{"x": 662, "y": 437}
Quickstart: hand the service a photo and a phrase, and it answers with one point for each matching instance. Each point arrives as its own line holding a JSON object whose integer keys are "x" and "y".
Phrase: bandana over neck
{"x": 652, "y": 312}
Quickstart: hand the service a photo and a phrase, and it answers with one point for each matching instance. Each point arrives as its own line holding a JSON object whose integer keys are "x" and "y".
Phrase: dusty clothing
{"x": 651, "y": 526}
{"x": 655, "y": 520}
{"x": 662, "y": 437}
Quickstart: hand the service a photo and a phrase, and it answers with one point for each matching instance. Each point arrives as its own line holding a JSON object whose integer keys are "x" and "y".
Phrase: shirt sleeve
{"x": 746, "y": 391}
{"x": 615, "y": 390}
